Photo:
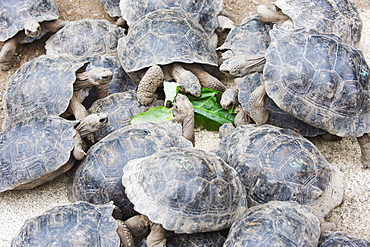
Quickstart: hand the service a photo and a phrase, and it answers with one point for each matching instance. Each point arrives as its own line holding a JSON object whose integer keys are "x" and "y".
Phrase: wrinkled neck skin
{"x": 188, "y": 128}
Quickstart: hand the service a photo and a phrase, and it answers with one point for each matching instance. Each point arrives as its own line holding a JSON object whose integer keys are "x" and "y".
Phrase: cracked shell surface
{"x": 320, "y": 80}
{"x": 98, "y": 178}
{"x": 187, "y": 190}
{"x": 77, "y": 224}
{"x": 86, "y": 37}
{"x": 164, "y": 37}
{"x": 275, "y": 224}
{"x": 279, "y": 164}
{"x": 205, "y": 12}
{"x": 42, "y": 86}
{"x": 34, "y": 148}
{"x": 339, "y": 17}
{"x": 14, "y": 14}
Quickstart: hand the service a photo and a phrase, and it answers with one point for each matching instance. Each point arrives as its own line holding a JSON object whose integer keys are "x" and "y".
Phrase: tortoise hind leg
{"x": 364, "y": 142}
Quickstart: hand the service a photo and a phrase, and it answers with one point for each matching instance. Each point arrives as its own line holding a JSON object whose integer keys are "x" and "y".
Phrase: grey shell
{"x": 120, "y": 109}
{"x": 249, "y": 38}
{"x": 319, "y": 80}
{"x": 187, "y": 190}
{"x": 14, "y": 14}
{"x": 98, "y": 179}
{"x": 205, "y": 12}
{"x": 279, "y": 164}
{"x": 206, "y": 239}
{"x": 77, "y": 224}
{"x": 275, "y": 224}
{"x": 334, "y": 239}
{"x": 163, "y": 37}
{"x": 42, "y": 86}
{"x": 33, "y": 150}
{"x": 111, "y": 7}
{"x": 86, "y": 37}
{"x": 277, "y": 117}
{"x": 338, "y": 17}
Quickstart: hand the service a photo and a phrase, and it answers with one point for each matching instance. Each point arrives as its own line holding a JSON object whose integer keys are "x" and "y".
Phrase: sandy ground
{"x": 353, "y": 216}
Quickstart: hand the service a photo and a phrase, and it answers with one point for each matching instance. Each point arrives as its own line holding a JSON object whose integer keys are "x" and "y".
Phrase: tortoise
{"x": 244, "y": 45}
{"x": 185, "y": 190}
{"x": 339, "y": 17}
{"x": 276, "y": 223}
{"x": 120, "y": 108}
{"x": 77, "y": 224}
{"x": 205, "y": 239}
{"x": 120, "y": 82}
{"x": 164, "y": 45}
{"x": 279, "y": 164}
{"x": 23, "y": 22}
{"x": 319, "y": 80}
{"x": 86, "y": 37}
{"x": 339, "y": 238}
{"x": 51, "y": 85}
{"x": 205, "y": 12}
{"x": 241, "y": 94}
{"x": 98, "y": 178}
{"x": 39, "y": 149}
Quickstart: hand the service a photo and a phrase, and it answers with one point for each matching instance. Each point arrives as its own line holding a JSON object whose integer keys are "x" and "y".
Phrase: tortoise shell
{"x": 163, "y": 37}
{"x": 275, "y": 223}
{"x": 339, "y": 17}
{"x": 34, "y": 151}
{"x": 77, "y": 224}
{"x": 279, "y": 164}
{"x": 250, "y": 37}
{"x": 98, "y": 179}
{"x": 42, "y": 86}
{"x": 186, "y": 190}
{"x": 120, "y": 109}
{"x": 205, "y": 12}
{"x": 86, "y": 37}
{"x": 319, "y": 80}
{"x": 277, "y": 117}
{"x": 339, "y": 238}
{"x": 14, "y": 14}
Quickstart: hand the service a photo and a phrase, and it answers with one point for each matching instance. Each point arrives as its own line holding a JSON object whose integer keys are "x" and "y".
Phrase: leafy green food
{"x": 208, "y": 111}
{"x": 170, "y": 89}
{"x": 153, "y": 115}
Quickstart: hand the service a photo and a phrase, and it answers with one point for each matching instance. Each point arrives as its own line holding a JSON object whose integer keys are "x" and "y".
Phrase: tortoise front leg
{"x": 148, "y": 84}
{"x": 205, "y": 79}
{"x": 256, "y": 103}
{"x": 230, "y": 98}
{"x": 8, "y": 51}
{"x": 78, "y": 152}
{"x": 364, "y": 142}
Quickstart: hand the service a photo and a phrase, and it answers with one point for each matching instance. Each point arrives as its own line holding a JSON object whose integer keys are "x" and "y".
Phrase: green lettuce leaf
{"x": 153, "y": 115}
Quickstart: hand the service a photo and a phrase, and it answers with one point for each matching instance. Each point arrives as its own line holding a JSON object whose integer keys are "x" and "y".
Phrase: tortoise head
{"x": 32, "y": 28}
{"x": 100, "y": 76}
{"x": 92, "y": 123}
